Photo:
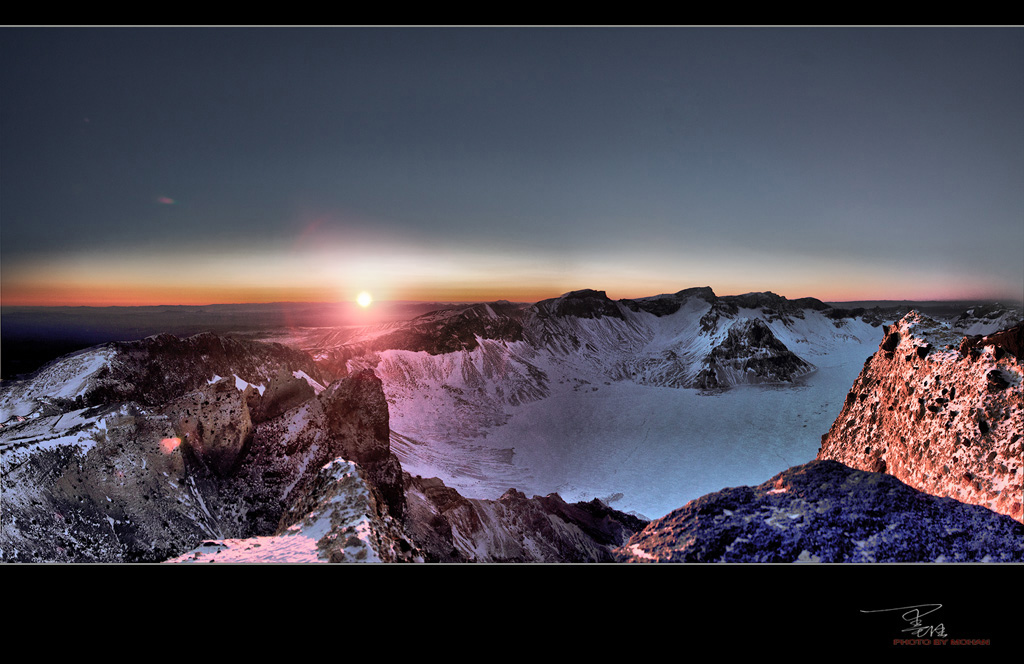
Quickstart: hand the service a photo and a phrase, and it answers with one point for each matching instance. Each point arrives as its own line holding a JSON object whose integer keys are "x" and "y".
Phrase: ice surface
{"x": 662, "y": 447}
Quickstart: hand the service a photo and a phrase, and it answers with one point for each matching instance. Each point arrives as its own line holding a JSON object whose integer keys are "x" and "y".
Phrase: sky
{"x": 216, "y": 165}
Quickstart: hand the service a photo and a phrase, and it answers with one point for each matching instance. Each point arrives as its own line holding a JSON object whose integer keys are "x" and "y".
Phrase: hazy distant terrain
{"x": 32, "y": 336}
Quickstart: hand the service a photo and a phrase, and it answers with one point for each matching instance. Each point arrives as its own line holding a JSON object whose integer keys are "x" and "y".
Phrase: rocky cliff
{"x": 172, "y": 454}
{"x": 923, "y": 464}
{"x": 750, "y": 354}
{"x": 513, "y": 528}
{"x": 941, "y": 412}
{"x": 339, "y": 519}
{"x": 174, "y": 461}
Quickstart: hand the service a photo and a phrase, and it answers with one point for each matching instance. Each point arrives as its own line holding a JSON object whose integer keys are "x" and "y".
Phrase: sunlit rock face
{"x": 825, "y": 511}
{"x": 943, "y": 413}
{"x": 450, "y": 528}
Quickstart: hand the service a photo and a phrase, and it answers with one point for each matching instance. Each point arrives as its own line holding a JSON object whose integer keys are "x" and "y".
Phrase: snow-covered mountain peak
{"x": 987, "y": 318}
{"x": 56, "y": 386}
{"x": 750, "y": 354}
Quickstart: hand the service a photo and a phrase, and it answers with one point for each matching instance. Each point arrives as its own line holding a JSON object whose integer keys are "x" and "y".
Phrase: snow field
{"x": 658, "y": 447}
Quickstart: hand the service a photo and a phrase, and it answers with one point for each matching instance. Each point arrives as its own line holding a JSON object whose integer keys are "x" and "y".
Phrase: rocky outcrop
{"x": 130, "y": 481}
{"x": 1010, "y": 340}
{"x": 213, "y": 424}
{"x": 666, "y": 305}
{"x": 775, "y": 305}
{"x": 749, "y": 355}
{"x": 357, "y": 428}
{"x": 339, "y": 520}
{"x": 578, "y": 304}
{"x": 451, "y": 330}
{"x": 285, "y": 391}
{"x": 155, "y": 370}
{"x": 941, "y": 413}
{"x": 985, "y": 319}
{"x": 105, "y": 484}
{"x": 348, "y": 420}
{"x": 450, "y": 528}
{"x": 825, "y": 511}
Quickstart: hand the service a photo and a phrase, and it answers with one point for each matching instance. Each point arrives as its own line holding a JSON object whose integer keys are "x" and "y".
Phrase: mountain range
{"x": 420, "y": 439}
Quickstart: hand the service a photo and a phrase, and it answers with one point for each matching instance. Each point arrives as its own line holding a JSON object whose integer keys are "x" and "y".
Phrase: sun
{"x": 364, "y": 299}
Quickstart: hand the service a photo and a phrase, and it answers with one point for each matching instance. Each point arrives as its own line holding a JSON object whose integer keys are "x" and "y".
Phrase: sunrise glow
{"x": 644, "y": 178}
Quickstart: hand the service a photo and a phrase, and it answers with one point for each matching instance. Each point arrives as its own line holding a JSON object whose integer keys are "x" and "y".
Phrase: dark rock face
{"x": 775, "y": 306}
{"x": 448, "y": 331}
{"x": 450, "y": 528}
{"x": 891, "y": 340}
{"x": 157, "y": 369}
{"x": 750, "y": 354}
{"x": 284, "y": 392}
{"x": 579, "y": 304}
{"x": 824, "y": 511}
{"x": 357, "y": 426}
{"x": 213, "y": 424}
{"x": 144, "y": 482}
{"x": 665, "y": 305}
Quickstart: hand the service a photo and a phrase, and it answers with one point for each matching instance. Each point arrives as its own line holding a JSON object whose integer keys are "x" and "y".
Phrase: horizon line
{"x": 980, "y": 300}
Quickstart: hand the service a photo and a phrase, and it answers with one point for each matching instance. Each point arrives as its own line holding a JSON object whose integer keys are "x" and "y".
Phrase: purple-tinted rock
{"x": 824, "y": 511}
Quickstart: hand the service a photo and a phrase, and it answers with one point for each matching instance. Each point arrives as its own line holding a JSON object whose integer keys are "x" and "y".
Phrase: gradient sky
{"x": 188, "y": 166}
